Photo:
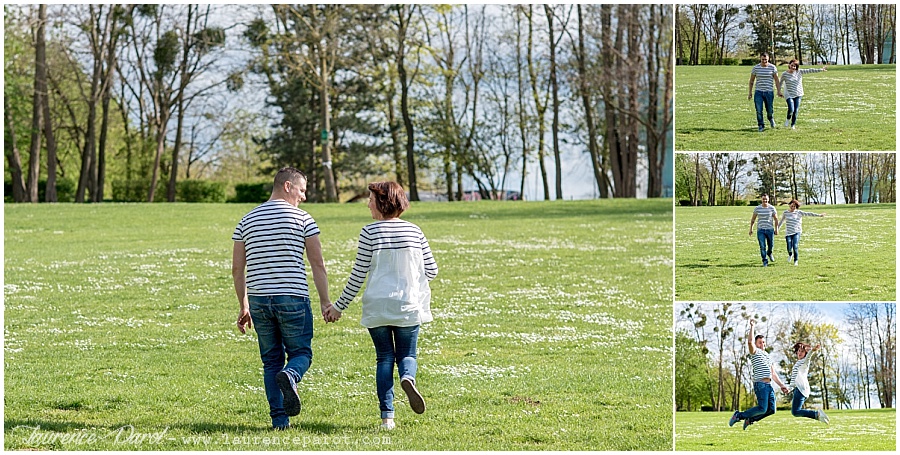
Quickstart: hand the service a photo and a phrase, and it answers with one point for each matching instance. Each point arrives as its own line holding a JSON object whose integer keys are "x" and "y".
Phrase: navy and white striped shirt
{"x": 764, "y": 217}
{"x": 274, "y": 236}
{"x": 794, "y": 221}
{"x": 765, "y": 81}
{"x": 394, "y": 234}
{"x": 762, "y": 368}
{"x": 793, "y": 82}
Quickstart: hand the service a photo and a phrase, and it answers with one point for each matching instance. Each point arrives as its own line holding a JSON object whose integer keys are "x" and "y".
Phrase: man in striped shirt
{"x": 763, "y": 375}
{"x": 273, "y": 294}
{"x": 766, "y": 77}
{"x": 766, "y": 230}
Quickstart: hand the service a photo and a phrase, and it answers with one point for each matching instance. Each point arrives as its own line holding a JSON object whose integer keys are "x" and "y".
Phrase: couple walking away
{"x": 763, "y": 375}
{"x": 768, "y": 225}
{"x": 766, "y": 77}
{"x": 273, "y": 295}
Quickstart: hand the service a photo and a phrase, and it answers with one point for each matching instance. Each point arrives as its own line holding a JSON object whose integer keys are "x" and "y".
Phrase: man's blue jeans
{"x": 765, "y": 237}
{"x": 793, "y": 242}
{"x": 284, "y": 326}
{"x": 793, "y": 106}
{"x": 760, "y": 99}
{"x": 765, "y": 403}
{"x": 797, "y": 406}
{"x": 393, "y": 345}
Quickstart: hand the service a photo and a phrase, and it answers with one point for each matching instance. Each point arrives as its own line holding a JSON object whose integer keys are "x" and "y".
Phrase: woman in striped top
{"x": 792, "y": 80}
{"x": 800, "y": 383}
{"x": 395, "y": 256}
{"x": 794, "y": 219}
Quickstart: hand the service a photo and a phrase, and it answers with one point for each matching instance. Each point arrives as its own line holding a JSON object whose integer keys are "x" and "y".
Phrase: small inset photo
{"x": 785, "y": 226}
{"x": 797, "y": 77}
{"x": 768, "y": 377}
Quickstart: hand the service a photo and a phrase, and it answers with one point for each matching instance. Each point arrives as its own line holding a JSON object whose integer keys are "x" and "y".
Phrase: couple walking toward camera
{"x": 763, "y": 375}
{"x": 766, "y": 77}
{"x": 766, "y": 218}
{"x": 271, "y": 286}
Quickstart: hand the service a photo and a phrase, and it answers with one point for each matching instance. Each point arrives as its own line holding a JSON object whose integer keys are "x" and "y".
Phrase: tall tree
{"x": 540, "y": 100}
{"x": 586, "y": 92}
{"x": 554, "y": 88}
{"x": 40, "y": 93}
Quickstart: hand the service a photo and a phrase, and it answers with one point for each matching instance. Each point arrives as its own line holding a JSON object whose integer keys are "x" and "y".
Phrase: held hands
{"x": 330, "y": 313}
{"x": 785, "y": 390}
{"x": 243, "y": 321}
{"x": 825, "y": 68}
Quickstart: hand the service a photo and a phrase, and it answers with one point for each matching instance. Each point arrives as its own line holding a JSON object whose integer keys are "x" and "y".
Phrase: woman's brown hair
{"x": 794, "y": 202}
{"x": 390, "y": 199}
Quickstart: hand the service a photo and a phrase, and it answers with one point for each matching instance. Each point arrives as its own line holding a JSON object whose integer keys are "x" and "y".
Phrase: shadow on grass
{"x": 710, "y": 266}
{"x": 718, "y": 130}
{"x": 27, "y": 426}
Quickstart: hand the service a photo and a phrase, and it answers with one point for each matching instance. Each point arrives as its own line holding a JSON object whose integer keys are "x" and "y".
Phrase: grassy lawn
{"x": 857, "y": 430}
{"x": 846, "y": 108}
{"x": 849, "y": 255}
{"x": 552, "y": 331}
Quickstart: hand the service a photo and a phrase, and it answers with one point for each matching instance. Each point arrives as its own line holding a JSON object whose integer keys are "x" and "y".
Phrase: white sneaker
{"x": 821, "y": 417}
{"x": 796, "y": 263}
{"x": 387, "y": 426}
{"x": 793, "y": 127}
{"x": 787, "y": 123}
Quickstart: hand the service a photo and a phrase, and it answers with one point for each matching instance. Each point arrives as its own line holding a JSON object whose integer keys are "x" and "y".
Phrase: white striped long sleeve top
{"x": 794, "y": 221}
{"x": 395, "y": 256}
{"x": 793, "y": 82}
{"x": 799, "y": 376}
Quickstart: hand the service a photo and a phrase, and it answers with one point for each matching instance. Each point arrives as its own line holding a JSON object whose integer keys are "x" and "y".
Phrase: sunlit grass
{"x": 849, "y": 255}
{"x": 857, "y": 430}
{"x": 552, "y": 331}
{"x": 846, "y": 108}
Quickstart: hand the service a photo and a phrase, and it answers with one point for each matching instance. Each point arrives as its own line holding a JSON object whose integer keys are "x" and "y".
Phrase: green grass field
{"x": 846, "y": 108}
{"x": 848, "y": 255}
{"x": 552, "y": 331}
{"x": 857, "y": 430}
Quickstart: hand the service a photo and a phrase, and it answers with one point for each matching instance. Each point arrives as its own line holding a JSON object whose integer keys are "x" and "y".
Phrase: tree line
{"x": 138, "y": 99}
{"x": 813, "y": 34}
{"x": 853, "y": 370}
{"x": 812, "y": 178}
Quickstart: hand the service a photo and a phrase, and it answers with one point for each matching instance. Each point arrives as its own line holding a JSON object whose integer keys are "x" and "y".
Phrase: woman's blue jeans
{"x": 765, "y": 403}
{"x": 797, "y": 406}
{"x": 793, "y": 243}
{"x": 761, "y": 99}
{"x": 766, "y": 238}
{"x": 793, "y": 107}
{"x": 284, "y": 326}
{"x": 393, "y": 345}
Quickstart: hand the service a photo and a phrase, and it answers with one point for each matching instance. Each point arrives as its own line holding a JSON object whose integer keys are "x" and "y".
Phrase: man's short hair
{"x": 288, "y": 174}
{"x": 764, "y": 53}
{"x": 758, "y": 337}
{"x": 390, "y": 199}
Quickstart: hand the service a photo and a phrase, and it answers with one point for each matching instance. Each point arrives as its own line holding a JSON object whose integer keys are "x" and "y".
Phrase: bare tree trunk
{"x": 540, "y": 107}
{"x": 404, "y": 112}
{"x": 41, "y": 82}
{"x": 583, "y": 88}
{"x": 554, "y": 87}
{"x": 37, "y": 112}
{"x": 12, "y": 154}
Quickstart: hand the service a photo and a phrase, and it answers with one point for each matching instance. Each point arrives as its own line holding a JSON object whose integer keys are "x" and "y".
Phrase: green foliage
{"x": 137, "y": 190}
{"x": 692, "y": 384}
{"x": 199, "y": 191}
{"x": 123, "y": 314}
{"x": 838, "y": 113}
{"x": 165, "y": 53}
{"x": 840, "y": 260}
{"x": 870, "y": 430}
{"x": 65, "y": 190}
{"x": 252, "y": 192}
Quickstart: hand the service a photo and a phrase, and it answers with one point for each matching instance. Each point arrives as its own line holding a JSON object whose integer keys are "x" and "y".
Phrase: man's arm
{"x": 750, "y": 335}
{"x": 775, "y": 220}
{"x": 320, "y": 276}
{"x": 750, "y": 91}
{"x": 752, "y": 220}
{"x": 778, "y": 380}
{"x": 777, "y": 83}
{"x": 238, "y": 264}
